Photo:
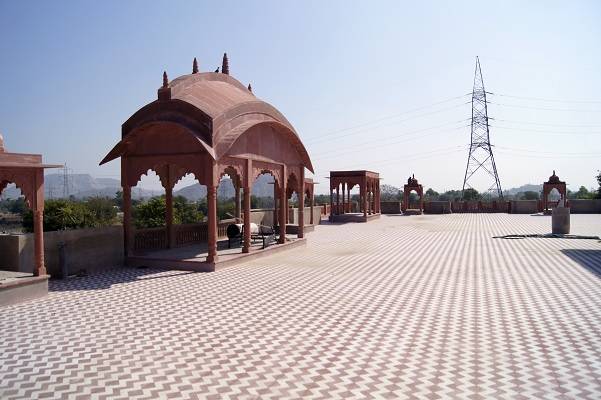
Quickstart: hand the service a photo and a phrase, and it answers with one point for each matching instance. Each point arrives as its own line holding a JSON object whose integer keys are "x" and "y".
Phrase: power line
{"x": 417, "y": 156}
{"x": 506, "y": 153}
{"x": 552, "y": 125}
{"x": 542, "y": 108}
{"x": 356, "y": 146}
{"x": 546, "y": 132}
{"x": 546, "y": 100}
{"x": 548, "y": 152}
{"x": 364, "y": 124}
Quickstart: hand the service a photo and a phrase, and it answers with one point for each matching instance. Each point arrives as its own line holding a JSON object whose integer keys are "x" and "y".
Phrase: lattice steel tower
{"x": 480, "y": 154}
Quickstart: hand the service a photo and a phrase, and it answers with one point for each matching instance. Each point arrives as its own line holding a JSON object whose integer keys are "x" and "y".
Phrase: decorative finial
{"x": 250, "y": 88}
{"x": 225, "y": 66}
{"x": 195, "y": 66}
{"x": 217, "y": 70}
{"x": 164, "y": 92}
{"x": 413, "y": 176}
{"x": 553, "y": 172}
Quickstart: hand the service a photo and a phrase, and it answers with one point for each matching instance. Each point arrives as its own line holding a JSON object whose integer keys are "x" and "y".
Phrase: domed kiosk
{"x": 210, "y": 124}
{"x": 26, "y": 171}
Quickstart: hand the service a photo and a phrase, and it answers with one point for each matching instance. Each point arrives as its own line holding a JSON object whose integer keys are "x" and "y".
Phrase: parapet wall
{"x": 91, "y": 250}
{"x": 437, "y": 207}
{"x": 390, "y": 207}
{"x": 524, "y": 207}
{"x": 585, "y": 206}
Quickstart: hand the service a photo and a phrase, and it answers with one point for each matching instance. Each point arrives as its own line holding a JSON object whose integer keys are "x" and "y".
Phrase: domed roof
{"x": 227, "y": 106}
{"x": 554, "y": 178}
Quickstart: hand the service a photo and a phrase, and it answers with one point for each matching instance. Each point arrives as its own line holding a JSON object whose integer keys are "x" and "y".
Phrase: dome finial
{"x": 165, "y": 79}
{"x": 225, "y": 66}
{"x": 250, "y": 88}
{"x": 195, "y": 66}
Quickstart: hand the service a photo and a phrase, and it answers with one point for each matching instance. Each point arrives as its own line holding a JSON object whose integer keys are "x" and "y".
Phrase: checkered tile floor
{"x": 403, "y": 307}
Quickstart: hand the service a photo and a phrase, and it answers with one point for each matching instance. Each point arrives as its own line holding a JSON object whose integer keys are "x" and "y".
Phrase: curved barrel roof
{"x": 230, "y": 107}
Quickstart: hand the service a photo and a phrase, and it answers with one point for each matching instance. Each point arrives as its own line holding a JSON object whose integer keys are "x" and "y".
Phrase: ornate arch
{"x": 261, "y": 167}
{"x": 22, "y": 180}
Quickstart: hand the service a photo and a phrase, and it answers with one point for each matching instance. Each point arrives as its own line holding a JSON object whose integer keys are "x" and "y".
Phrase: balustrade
{"x": 186, "y": 234}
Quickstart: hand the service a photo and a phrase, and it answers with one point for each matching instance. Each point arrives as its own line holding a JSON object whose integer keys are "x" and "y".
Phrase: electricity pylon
{"x": 480, "y": 155}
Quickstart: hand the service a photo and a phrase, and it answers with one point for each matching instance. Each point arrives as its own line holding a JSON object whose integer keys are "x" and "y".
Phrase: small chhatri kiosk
{"x": 342, "y": 209}
{"x": 412, "y": 185}
{"x": 26, "y": 171}
{"x": 211, "y": 125}
{"x": 553, "y": 183}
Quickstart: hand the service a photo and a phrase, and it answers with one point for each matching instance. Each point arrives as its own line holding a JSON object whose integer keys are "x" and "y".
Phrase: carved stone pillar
{"x": 337, "y": 199}
{"x": 237, "y": 214}
{"x": 283, "y": 207}
{"x": 311, "y": 204}
{"x": 128, "y": 243}
{"x": 38, "y": 224}
{"x": 247, "y": 232}
{"x": 301, "y": 203}
{"x": 364, "y": 198}
{"x": 169, "y": 216}
{"x": 38, "y": 229}
{"x": 343, "y": 202}
{"x": 275, "y": 204}
{"x": 212, "y": 223}
{"x": 331, "y": 216}
{"x": 349, "y": 207}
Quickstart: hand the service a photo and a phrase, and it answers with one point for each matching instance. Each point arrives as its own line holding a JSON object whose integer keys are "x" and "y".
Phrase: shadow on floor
{"x": 106, "y": 279}
{"x": 589, "y": 259}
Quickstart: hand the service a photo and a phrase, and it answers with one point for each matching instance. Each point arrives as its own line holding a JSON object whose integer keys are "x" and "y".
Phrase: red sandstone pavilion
{"x": 26, "y": 171}
{"x": 211, "y": 125}
{"x": 369, "y": 196}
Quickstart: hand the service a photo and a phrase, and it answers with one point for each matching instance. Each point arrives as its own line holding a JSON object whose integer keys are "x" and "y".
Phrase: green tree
{"x": 118, "y": 200}
{"x": 186, "y": 212}
{"x": 150, "y": 214}
{"x": 583, "y": 193}
{"x": 16, "y": 206}
{"x": 450, "y": 195}
{"x": 471, "y": 195}
{"x": 529, "y": 195}
{"x": 431, "y": 195}
{"x": 102, "y": 209}
{"x": 62, "y": 214}
{"x": 390, "y": 193}
{"x": 599, "y": 183}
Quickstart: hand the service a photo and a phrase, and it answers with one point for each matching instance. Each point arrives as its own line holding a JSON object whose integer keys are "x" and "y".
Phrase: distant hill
{"x": 263, "y": 187}
{"x": 80, "y": 186}
{"x": 83, "y": 185}
{"x": 524, "y": 188}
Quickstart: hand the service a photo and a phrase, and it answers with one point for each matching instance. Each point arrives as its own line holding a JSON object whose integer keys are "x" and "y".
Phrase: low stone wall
{"x": 262, "y": 216}
{"x": 390, "y": 207}
{"x": 585, "y": 206}
{"x": 91, "y": 250}
{"x": 524, "y": 207}
{"x": 437, "y": 207}
{"x": 293, "y": 215}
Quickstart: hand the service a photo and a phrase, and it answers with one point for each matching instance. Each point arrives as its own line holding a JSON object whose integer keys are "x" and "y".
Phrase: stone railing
{"x": 150, "y": 238}
{"x": 497, "y": 206}
{"x": 156, "y": 238}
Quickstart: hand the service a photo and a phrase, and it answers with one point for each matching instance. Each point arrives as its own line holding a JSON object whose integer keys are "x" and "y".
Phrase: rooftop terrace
{"x": 403, "y": 307}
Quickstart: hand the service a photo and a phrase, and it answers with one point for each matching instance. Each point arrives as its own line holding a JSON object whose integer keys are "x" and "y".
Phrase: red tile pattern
{"x": 349, "y": 316}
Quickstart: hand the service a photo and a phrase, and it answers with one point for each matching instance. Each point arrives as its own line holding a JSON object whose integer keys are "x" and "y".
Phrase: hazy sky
{"x": 368, "y": 85}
